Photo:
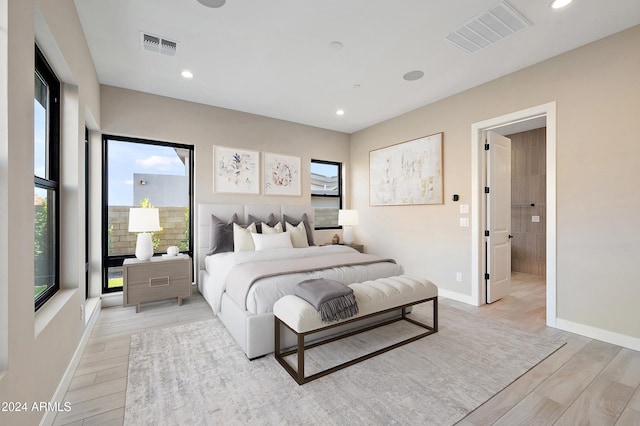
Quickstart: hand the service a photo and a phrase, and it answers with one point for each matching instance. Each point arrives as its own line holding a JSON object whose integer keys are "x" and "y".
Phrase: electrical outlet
{"x": 535, "y": 218}
{"x": 464, "y": 221}
{"x": 464, "y": 208}
{"x": 459, "y": 276}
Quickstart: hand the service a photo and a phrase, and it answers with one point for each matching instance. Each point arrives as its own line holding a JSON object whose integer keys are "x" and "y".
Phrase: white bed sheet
{"x": 266, "y": 291}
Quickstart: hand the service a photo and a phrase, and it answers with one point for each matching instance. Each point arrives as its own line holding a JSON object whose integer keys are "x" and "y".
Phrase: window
{"x": 326, "y": 193}
{"x": 46, "y": 105}
{"x": 86, "y": 213}
{"x": 144, "y": 173}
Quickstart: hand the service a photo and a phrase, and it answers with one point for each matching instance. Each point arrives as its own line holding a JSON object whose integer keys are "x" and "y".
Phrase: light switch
{"x": 464, "y": 208}
{"x": 535, "y": 218}
{"x": 464, "y": 221}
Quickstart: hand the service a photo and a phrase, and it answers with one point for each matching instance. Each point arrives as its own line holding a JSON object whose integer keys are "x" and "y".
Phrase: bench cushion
{"x": 372, "y": 296}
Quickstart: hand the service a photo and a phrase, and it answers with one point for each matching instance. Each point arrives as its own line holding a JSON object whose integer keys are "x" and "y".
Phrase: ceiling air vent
{"x": 153, "y": 43}
{"x": 489, "y": 27}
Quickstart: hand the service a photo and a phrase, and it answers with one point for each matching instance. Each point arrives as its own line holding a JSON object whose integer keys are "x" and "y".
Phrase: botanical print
{"x": 235, "y": 170}
{"x": 281, "y": 174}
{"x": 407, "y": 173}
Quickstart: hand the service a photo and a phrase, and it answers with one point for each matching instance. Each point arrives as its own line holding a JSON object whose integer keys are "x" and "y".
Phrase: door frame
{"x": 478, "y": 173}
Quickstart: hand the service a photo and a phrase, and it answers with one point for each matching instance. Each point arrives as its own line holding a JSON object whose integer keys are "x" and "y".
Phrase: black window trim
{"x": 87, "y": 260}
{"x": 45, "y": 72}
{"x": 340, "y": 189}
{"x": 114, "y": 261}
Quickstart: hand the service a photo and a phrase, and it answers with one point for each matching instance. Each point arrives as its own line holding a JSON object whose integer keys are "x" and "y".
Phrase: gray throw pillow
{"x": 271, "y": 221}
{"x": 221, "y": 235}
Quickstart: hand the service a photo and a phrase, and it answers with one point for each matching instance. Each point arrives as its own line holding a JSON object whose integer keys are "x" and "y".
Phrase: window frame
{"x": 87, "y": 260}
{"x": 340, "y": 189}
{"x": 116, "y": 261}
{"x": 52, "y": 181}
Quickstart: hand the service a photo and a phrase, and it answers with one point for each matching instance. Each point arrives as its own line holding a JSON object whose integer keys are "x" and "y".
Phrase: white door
{"x": 498, "y": 202}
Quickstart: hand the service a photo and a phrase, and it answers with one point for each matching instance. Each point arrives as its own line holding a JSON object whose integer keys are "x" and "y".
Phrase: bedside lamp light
{"x": 347, "y": 219}
{"x": 144, "y": 220}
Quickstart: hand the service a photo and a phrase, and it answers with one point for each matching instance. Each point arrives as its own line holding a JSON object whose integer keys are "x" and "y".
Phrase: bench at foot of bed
{"x": 374, "y": 298}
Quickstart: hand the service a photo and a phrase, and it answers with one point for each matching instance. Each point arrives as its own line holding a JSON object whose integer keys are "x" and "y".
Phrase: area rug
{"x": 196, "y": 374}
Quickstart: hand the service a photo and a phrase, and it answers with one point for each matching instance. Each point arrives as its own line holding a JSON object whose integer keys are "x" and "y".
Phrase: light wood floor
{"x": 584, "y": 382}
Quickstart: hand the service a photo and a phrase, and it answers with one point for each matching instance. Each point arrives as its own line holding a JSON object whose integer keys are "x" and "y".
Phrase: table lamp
{"x": 144, "y": 220}
{"x": 347, "y": 219}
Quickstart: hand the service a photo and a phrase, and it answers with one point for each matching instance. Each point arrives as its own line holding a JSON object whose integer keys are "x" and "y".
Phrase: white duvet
{"x": 266, "y": 291}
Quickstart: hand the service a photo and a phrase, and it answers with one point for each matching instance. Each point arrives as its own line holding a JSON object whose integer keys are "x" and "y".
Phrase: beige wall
{"x": 130, "y": 113}
{"x": 37, "y": 348}
{"x": 597, "y": 90}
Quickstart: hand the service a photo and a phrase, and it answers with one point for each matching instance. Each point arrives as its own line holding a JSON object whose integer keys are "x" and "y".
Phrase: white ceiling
{"x": 273, "y": 57}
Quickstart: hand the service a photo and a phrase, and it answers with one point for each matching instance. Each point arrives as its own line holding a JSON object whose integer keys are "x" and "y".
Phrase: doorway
{"x": 528, "y": 196}
{"x": 506, "y": 123}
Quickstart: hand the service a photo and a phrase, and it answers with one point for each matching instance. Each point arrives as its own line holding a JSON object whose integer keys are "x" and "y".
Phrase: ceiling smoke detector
{"x": 156, "y": 44}
{"x": 212, "y": 3}
{"x": 489, "y": 27}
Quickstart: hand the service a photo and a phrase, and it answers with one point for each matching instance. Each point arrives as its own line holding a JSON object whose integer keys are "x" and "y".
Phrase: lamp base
{"x": 144, "y": 246}
{"x": 347, "y": 234}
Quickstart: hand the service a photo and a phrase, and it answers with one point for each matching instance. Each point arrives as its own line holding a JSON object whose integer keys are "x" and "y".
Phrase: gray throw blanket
{"x": 334, "y": 300}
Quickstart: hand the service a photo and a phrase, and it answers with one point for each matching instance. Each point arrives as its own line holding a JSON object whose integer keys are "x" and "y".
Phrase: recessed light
{"x": 187, "y": 74}
{"x": 356, "y": 86}
{"x": 413, "y": 75}
{"x": 212, "y": 3}
{"x": 335, "y": 45}
{"x": 557, "y": 4}
{"x": 340, "y": 112}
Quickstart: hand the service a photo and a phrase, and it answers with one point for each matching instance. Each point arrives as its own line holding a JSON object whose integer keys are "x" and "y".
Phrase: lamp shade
{"x": 347, "y": 217}
{"x": 144, "y": 220}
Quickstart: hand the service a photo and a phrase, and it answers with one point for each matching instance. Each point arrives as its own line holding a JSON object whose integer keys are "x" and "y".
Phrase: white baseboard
{"x": 456, "y": 296}
{"x": 92, "y": 310}
{"x": 599, "y": 334}
{"x": 112, "y": 299}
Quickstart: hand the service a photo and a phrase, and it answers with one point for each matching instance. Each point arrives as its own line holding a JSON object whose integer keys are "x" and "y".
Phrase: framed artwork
{"x": 407, "y": 173}
{"x": 236, "y": 170}
{"x": 281, "y": 174}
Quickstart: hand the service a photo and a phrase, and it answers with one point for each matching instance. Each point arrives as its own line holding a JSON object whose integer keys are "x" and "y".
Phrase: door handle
{"x": 510, "y": 236}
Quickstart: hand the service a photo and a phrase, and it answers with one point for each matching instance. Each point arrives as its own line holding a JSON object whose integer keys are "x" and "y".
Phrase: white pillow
{"x": 271, "y": 241}
{"x": 266, "y": 229}
{"x": 298, "y": 235}
{"x": 242, "y": 240}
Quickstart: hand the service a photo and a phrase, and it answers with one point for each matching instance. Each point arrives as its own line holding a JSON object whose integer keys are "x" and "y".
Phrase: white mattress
{"x": 266, "y": 291}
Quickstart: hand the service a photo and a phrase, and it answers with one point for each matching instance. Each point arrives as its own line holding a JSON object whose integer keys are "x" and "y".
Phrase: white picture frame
{"x": 407, "y": 173}
{"x": 236, "y": 170}
{"x": 281, "y": 175}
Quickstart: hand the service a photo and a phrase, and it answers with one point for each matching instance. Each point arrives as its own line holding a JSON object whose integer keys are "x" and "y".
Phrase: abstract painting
{"x": 281, "y": 174}
{"x": 236, "y": 170}
{"x": 407, "y": 173}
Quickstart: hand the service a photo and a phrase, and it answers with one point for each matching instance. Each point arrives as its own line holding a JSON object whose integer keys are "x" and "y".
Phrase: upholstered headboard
{"x": 226, "y": 211}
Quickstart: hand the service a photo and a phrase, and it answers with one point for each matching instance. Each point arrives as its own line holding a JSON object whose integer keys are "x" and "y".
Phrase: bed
{"x": 242, "y": 286}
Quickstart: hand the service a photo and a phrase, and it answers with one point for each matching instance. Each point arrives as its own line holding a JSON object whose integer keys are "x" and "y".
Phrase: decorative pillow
{"x": 271, "y": 221}
{"x": 298, "y": 235}
{"x": 277, "y": 229}
{"x": 295, "y": 222}
{"x": 242, "y": 240}
{"x": 221, "y": 235}
{"x": 271, "y": 241}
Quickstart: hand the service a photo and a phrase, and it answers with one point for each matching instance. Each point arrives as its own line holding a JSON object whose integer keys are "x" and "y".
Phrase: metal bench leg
{"x": 300, "y": 358}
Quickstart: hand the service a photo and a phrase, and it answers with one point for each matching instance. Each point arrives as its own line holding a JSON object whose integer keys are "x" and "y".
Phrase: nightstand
{"x": 157, "y": 279}
{"x": 358, "y": 247}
